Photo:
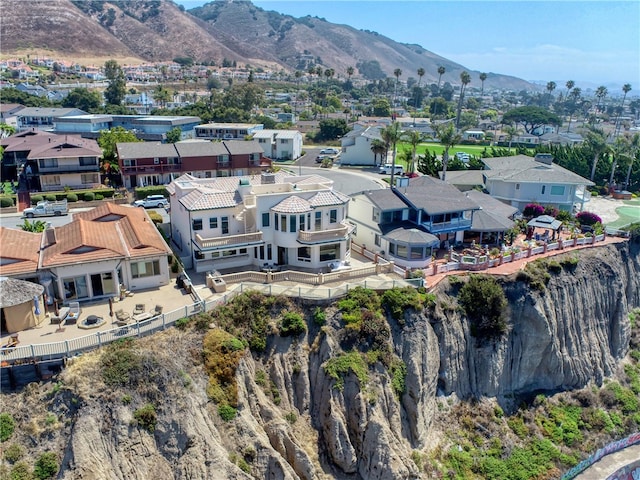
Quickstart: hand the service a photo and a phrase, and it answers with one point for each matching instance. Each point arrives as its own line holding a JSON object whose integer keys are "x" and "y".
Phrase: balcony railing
{"x": 323, "y": 236}
{"x": 229, "y": 241}
{"x": 152, "y": 169}
{"x": 69, "y": 168}
{"x": 455, "y": 224}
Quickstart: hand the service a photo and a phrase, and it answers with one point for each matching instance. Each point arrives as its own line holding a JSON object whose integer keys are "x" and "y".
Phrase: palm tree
{"x": 378, "y": 148}
{"x": 441, "y": 71}
{"x": 570, "y": 84}
{"x": 421, "y": 73}
{"x": 391, "y": 136}
{"x": 596, "y": 140}
{"x": 483, "y": 77}
{"x": 551, "y": 86}
{"x": 620, "y": 152}
{"x": 575, "y": 96}
{"x": 634, "y": 148}
{"x": 397, "y": 72}
{"x": 626, "y": 88}
{"x": 511, "y": 132}
{"x": 414, "y": 138}
{"x": 465, "y": 79}
{"x": 601, "y": 92}
{"x": 350, "y": 72}
{"x": 448, "y": 138}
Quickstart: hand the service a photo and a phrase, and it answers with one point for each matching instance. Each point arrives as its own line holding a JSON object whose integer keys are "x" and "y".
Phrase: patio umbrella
{"x": 55, "y": 307}
{"x": 111, "y": 307}
{"x": 36, "y": 304}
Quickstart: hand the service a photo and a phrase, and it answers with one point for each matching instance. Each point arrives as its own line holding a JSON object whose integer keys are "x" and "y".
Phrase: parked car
{"x": 329, "y": 151}
{"x": 463, "y": 157}
{"x": 152, "y": 201}
{"x": 321, "y": 158}
{"x": 386, "y": 170}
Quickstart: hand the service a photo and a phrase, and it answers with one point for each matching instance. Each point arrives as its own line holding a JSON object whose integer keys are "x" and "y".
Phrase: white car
{"x": 152, "y": 201}
{"x": 329, "y": 151}
{"x": 386, "y": 170}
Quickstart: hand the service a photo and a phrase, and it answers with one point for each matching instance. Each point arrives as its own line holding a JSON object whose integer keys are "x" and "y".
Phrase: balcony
{"x": 450, "y": 226}
{"x": 142, "y": 169}
{"x": 325, "y": 236}
{"x": 69, "y": 169}
{"x": 242, "y": 240}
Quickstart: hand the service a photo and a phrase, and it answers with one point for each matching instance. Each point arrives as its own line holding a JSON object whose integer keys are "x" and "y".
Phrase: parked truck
{"x": 47, "y": 209}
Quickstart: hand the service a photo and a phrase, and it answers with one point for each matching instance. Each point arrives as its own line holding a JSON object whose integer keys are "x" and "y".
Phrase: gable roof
{"x": 20, "y": 251}
{"x": 242, "y": 147}
{"x": 64, "y": 147}
{"x": 524, "y": 169}
{"x": 200, "y": 148}
{"x": 384, "y": 199}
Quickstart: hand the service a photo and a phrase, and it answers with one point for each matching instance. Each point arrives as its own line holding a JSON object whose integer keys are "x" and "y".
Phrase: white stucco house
{"x": 356, "y": 146}
{"x": 520, "y": 180}
{"x": 280, "y": 144}
{"x": 272, "y": 219}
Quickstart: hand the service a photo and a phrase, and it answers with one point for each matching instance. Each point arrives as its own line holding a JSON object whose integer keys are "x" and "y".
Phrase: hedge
{"x": 143, "y": 192}
{"x": 88, "y": 196}
{"x": 6, "y": 202}
{"x": 72, "y": 197}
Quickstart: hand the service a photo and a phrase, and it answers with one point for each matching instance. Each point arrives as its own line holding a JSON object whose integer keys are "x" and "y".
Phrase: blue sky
{"x": 591, "y": 42}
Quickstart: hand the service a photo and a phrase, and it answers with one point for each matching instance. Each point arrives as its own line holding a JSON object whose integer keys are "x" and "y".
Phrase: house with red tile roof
{"x": 99, "y": 252}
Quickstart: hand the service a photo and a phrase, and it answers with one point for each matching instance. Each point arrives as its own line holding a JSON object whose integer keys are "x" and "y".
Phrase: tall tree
{"x": 162, "y": 95}
{"x": 570, "y": 84}
{"x": 441, "y": 71}
{"x": 601, "y": 93}
{"x": 391, "y": 136}
{"x": 84, "y": 99}
{"x": 511, "y": 132}
{"x": 115, "y": 92}
{"x": 634, "y": 149}
{"x": 531, "y": 117}
{"x": 572, "y": 104}
{"x": 421, "y": 72}
{"x": 378, "y": 148}
{"x": 414, "y": 138}
{"x": 448, "y": 137}
{"x": 396, "y": 73}
{"x": 626, "y": 88}
{"x": 483, "y": 77}
{"x": 350, "y": 71}
{"x": 596, "y": 141}
{"x": 465, "y": 79}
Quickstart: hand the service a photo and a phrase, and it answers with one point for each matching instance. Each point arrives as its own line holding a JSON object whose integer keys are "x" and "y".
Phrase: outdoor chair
{"x": 74, "y": 312}
{"x": 122, "y": 317}
{"x": 156, "y": 311}
{"x": 140, "y": 308}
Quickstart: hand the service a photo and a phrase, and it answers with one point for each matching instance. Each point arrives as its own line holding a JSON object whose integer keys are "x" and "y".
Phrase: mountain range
{"x": 160, "y": 30}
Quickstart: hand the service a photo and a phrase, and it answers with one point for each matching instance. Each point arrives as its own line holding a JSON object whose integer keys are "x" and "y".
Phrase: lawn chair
{"x": 156, "y": 311}
{"x": 140, "y": 308}
{"x": 122, "y": 317}
{"x": 74, "y": 313}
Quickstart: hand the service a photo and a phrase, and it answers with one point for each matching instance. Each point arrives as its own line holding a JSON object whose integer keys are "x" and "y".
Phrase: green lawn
{"x": 437, "y": 148}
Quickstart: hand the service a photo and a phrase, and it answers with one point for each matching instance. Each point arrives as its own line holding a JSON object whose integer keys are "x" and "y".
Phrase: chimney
{"x": 545, "y": 158}
{"x": 50, "y": 234}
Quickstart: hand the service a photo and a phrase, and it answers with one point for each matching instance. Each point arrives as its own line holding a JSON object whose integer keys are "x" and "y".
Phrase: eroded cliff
{"x": 297, "y": 418}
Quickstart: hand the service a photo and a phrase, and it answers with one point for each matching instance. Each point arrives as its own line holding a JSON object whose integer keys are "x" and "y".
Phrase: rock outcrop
{"x": 292, "y": 421}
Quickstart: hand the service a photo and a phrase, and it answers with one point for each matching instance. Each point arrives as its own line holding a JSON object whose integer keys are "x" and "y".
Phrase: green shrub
{"x": 36, "y": 198}
{"x": 338, "y": 367}
{"x": 182, "y": 323}
{"x": 143, "y": 192}
{"x": 7, "y": 426}
{"x": 554, "y": 266}
{"x": 72, "y": 197}
{"x": 292, "y": 324}
{"x": 227, "y": 412}
{"x": 88, "y": 196}
{"x": 261, "y": 378}
{"x": 155, "y": 217}
{"x": 398, "y": 300}
{"x": 50, "y": 198}
{"x": 319, "y": 316}
{"x": 21, "y": 471}
{"x": 46, "y": 466}
{"x": 126, "y": 399}
{"x": 13, "y": 453}
{"x": 485, "y": 304}
{"x": 120, "y": 364}
{"x": 291, "y": 417}
{"x": 6, "y": 202}
{"x": 99, "y": 196}
{"x": 146, "y": 417}
{"x": 398, "y": 372}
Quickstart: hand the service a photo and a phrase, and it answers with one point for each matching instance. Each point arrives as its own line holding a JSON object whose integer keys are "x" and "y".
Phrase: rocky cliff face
{"x": 294, "y": 423}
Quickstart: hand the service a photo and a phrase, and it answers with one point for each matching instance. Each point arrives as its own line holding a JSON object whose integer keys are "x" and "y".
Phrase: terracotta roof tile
{"x": 328, "y": 198}
{"x": 20, "y": 251}
{"x": 292, "y": 204}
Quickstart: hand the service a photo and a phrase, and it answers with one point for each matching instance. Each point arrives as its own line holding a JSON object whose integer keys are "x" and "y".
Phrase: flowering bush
{"x": 551, "y": 211}
{"x": 588, "y": 218}
{"x": 533, "y": 210}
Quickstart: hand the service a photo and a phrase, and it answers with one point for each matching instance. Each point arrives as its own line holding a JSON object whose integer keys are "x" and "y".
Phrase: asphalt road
{"x": 12, "y": 220}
